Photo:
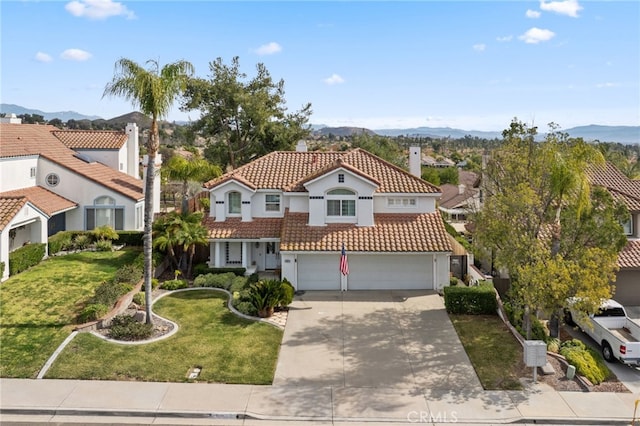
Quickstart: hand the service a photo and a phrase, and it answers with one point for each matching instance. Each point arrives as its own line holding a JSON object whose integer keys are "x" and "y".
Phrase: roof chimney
{"x": 415, "y": 161}
{"x": 301, "y": 146}
{"x": 11, "y": 119}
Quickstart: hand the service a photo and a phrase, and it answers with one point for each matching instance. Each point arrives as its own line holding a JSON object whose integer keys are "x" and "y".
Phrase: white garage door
{"x": 318, "y": 272}
{"x": 390, "y": 271}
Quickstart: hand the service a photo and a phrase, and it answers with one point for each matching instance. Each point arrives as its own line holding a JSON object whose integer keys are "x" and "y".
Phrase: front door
{"x": 272, "y": 257}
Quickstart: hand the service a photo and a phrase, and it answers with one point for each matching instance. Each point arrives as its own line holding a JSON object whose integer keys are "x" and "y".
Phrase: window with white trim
{"x": 234, "y": 202}
{"x": 627, "y": 227}
{"x": 52, "y": 179}
{"x": 272, "y": 202}
{"x": 32, "y": 173}
{"x": 399, "y": 202}
{"x": 139, "y": 216}
{"x": 104, "y": 212}
{"x": 341, "y": 203}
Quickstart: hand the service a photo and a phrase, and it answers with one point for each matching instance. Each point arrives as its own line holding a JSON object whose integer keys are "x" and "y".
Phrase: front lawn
{"x": 495, "y": 354}
{"x": 228, "y": 349}
{"x": 39, "y": 306}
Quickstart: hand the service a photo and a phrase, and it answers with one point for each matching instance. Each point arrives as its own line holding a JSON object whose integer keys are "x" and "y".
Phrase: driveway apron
{"x": 373, "y": 339}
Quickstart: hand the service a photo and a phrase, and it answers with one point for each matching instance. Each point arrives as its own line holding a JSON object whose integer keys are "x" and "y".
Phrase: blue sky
{"x": 471, "y": 65}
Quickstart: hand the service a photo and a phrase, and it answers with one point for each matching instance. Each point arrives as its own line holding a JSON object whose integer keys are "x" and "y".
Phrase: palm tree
{"x": 191, "y": 234}
{"x": 189, "y": 170}
{"x": 164, "y": 235}
{"x": 154, "y": 90}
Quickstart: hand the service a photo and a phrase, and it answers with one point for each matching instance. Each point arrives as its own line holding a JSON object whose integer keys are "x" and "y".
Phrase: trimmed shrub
{"x": 553, "y": 345}
{"x": 139, "y": 298}
{"x": 104, "y": 245}
{"x": 128, "y": 274}
{"x": 215, "y": 280}
{"x": 174, "y": 284}
{"x": 125, "y": 327}
{"x": 131, "y": 238}
{"x": 154, "y": 284}
{"x": 60, "y": 241}
{"x": 287, "y": 293}
{"x": 480, "y": 300}
{"x": 25, "y": 257}
{"x": 92, "y": 312}
{"x": 203, "y": 268}
{"x": 238, "y": 284}
{"x": 587, "y": 362}
{"x": 104, "y": 233}
{"x": 109, "y": 292}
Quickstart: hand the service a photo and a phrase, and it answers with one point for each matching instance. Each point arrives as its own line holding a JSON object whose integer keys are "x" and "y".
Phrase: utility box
{"x": 535, "y": 353}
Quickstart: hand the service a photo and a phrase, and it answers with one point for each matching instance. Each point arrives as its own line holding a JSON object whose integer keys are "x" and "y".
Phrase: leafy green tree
{"x": 555, "y": 235}
{"x": 384, "y": 147}
{"x": 190, "y": 170}
{"x": 243, "y": 118}
{"x": 154, "y": 91}
{"x": 431, "y": 175}
{"x": 449, "y": 175}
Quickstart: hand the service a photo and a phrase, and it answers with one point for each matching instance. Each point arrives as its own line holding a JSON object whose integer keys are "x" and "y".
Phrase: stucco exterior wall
{"x": 15, "y": 173}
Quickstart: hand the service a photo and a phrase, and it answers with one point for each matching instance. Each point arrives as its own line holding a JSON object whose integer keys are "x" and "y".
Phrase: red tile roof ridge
{"x": 45, "y": 200}
{"x": 9, "y": 207}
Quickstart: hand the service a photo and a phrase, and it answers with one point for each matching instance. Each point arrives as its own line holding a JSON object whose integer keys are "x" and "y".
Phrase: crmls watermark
{"x": 432, "y": 417}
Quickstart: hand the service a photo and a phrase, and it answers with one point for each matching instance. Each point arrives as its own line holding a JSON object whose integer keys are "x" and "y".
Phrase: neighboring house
{"x": 46, "y": 186}
{"x": 627, "y": 285}
{"x": 440, "y": 162}
{"x": 458, "y": 201}
{"x": 291, "y": 212}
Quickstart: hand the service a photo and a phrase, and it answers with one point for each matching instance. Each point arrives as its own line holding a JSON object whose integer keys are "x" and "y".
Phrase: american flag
{"x": 344, "y": 264}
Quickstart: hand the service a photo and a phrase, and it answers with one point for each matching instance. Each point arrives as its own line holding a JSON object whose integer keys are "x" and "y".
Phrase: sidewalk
{"x": 73, "y": 401}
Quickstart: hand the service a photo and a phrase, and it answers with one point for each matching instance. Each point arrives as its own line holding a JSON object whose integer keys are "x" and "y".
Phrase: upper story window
{"x": 52, "y": 179}
{"x": 627, "y": 227}
{"x": 341, "y": 202}
{"x": 235, "y": 202}
{"x": 32, "y": 174}
{"x": 341, "y": 177}
{"x": 398, "y": 202}
{"x": 272, "y": 202}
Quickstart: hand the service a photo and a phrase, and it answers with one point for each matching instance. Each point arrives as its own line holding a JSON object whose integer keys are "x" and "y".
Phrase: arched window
{"x": 104, "y": 212}
{"x": 341, "y": 202}
{"x": 235, "y": 202}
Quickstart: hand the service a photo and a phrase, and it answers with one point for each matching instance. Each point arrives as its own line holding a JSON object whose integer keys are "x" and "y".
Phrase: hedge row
{"x": 479, "y": 300}
{"x": 64, "y": 240}
{"x": 203, "y": 268}
{"x": 25, "y": 257}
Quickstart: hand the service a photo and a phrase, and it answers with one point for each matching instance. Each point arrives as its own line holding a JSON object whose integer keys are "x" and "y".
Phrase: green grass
{"x": 227, "y": 348}
{"x": 38, "y": 307}
{"x": 495, "y": 354}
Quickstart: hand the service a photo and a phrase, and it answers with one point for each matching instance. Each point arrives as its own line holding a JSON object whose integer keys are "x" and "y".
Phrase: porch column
{"x": 245, "y": 251}
{"x": 217, "y": 263}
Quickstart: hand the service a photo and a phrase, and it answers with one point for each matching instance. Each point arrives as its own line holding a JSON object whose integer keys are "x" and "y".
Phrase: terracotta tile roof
{"x": 629, "y": 257}
{"x": 287, "y": 170}
{"x": 234, "y": 228}
{"x": 391, "y": 233}
{"x": 45, "y": 200}
{"x": 91, "y": 139}
{"x": 620, "y": 186}
{"x": 9, "y": 207}
{"x": 31, "y": 139}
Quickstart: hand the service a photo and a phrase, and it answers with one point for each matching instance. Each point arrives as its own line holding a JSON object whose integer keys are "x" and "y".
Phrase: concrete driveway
{"x": 375, "y": 339}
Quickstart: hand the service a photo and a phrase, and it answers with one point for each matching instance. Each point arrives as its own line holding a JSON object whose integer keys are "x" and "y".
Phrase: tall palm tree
{"x": 154, "y": 91}
{"x": 188, "y": 170}
{"x": 191, "y": 234}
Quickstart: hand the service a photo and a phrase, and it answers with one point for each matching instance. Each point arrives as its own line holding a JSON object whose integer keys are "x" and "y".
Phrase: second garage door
{"x": 390, "y": 271}
{"x": 318, "y": 272}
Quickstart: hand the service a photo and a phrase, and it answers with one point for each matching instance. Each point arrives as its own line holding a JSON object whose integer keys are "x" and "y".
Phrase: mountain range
{"x": 620, "y": 134}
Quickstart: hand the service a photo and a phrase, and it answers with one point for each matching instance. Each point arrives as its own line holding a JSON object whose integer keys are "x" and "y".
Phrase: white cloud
{"x": 505, "y": 38}
{"x": 43, "y": 57}
{"x": 334, "y": 79}
{"x": 98, "y": 9}
{"x": 566, "y": 7}
{"x": 533, "y": 14}
{"x": 606, "y": 85}
{"x": 268, "y": 49}
{"x": 480, "y": 47}
{"x": 75, "y": 55}
{"x": 536, "y": 35}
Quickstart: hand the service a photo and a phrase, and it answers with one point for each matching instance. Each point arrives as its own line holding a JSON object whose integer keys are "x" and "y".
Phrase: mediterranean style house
{"x": 627, "y": 285}
{"x": 53, "y": 180}
{"x": 294, "y": 212}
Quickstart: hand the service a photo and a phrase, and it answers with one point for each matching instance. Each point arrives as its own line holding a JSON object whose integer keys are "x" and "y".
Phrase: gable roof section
{"x": 408, "y": 233}
{"x": 629, "y": 257}
{"x": 9, "y": 208}
{"x": 45, "y": 200}
{"x": 93, "y": 139}
{"x": 18, "y": 140}
{"x": 288, "y": 170}
{"x": 620, "y": 186}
